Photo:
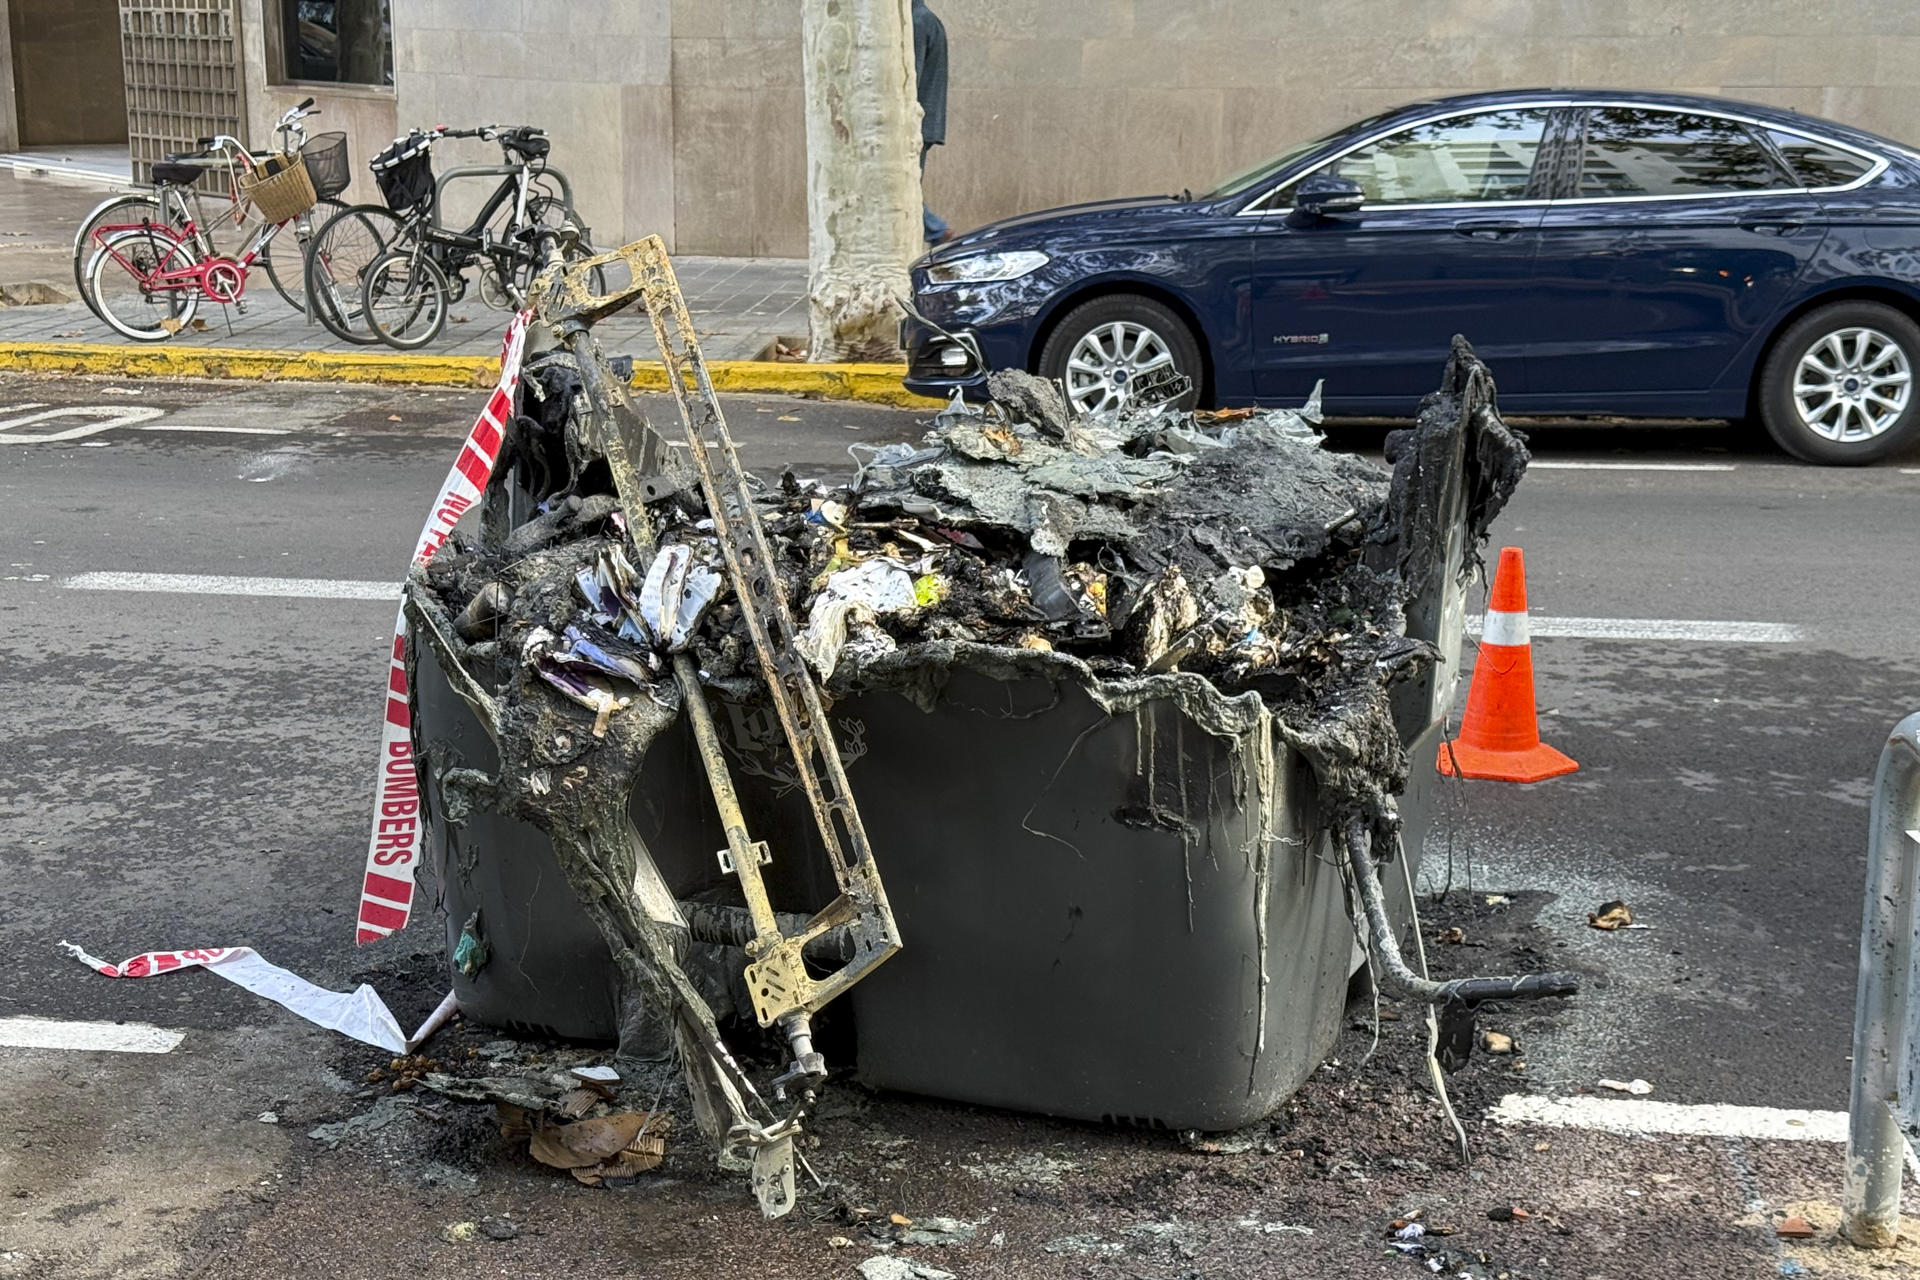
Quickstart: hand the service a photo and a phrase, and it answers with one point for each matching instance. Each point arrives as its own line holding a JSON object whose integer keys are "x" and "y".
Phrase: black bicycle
{"x": 343, "y": 252}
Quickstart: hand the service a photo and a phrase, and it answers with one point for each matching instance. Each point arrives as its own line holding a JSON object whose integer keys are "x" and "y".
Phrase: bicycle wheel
{"x": 123, "y": 210}
{"x": 404, "y": 298}
{"x": 289, "y": 280}
{"x": 338, "y": 256}
{"x": 116, "y": 277}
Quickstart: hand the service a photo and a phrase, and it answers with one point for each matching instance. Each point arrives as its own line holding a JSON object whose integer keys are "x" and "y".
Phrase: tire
{"x": 341, "y": 250}
{"x": 120, "y": 299}
{"x": 404, "y": 298}
{"x": 1069, "y": 356}
{"x": 119, "y": 211}
{"x": 1838, "y": 386}
{"x": 288, "y": 274}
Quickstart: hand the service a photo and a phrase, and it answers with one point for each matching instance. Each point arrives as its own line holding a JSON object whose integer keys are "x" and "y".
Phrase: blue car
{"x": 1635, "y": 254}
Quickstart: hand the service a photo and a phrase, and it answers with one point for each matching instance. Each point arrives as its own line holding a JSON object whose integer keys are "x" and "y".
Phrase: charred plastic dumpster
{"x": 1105, "y": 689}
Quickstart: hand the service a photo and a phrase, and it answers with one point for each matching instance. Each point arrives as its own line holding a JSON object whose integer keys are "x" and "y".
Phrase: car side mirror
{"x": 1323, "y": 195}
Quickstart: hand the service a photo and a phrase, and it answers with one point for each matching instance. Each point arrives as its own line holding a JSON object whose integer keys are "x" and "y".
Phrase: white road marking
{"x": 107, "y": 417}
{"x": 101, "y": 417}
{"x": 1634, "y": 1116}
{"x": 107, "y": 1037}
{"x": 207, "y": 584}
{"x": 233, "y": 431}
{"x": 1540, "y": 465}
{"x": 1638, "y": 1117}
{"x": 1910, "y": 471}
{"x": 1703, "y": 630}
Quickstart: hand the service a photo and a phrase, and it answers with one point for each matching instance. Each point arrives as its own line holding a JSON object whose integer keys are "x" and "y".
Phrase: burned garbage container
{"x": 1104, "y": 688}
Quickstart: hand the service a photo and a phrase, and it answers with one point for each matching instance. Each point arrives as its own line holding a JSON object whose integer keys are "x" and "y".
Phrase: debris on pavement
{"x": 935, "y": 1231}
{"x": 623, "y": 1145}
{"x": 886, "y": 1266}
{"x": 385, "y": 1111}
{"x": 403, "y": 1073}
{"x": 496, "y": 1227}
{"x": 1794, "y": 1228}
{"x": 1638, "y": 1088}
{"x": 1611, "y": 916}
{"x": 1507, "y": 1213}
{"x": 1496, "y": 1042}
{"x": 573, "y": 1119}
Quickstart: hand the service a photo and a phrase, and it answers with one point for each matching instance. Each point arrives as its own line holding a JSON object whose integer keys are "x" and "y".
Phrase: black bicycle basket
{"x": 326, "y": 157}
{"x": 405, "y": 172}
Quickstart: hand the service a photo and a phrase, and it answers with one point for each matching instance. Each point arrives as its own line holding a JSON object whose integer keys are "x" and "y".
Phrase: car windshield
{"x": 1260, "y": 173}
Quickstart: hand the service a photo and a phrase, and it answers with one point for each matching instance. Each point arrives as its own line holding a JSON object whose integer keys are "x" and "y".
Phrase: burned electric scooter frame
{"x": 600, "y": 851}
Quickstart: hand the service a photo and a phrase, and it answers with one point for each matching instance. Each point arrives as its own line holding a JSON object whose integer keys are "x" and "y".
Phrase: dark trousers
{"x": 934, "y": 224}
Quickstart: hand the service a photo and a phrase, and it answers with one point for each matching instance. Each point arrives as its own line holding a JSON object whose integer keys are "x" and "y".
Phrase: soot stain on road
{"x": 1743, "y": 847}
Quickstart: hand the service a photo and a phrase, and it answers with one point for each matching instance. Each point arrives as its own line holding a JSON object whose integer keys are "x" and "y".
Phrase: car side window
{"x": 1819, "y": 164}
{"x": 1485, "y": 156}
{"x": 1635, "y": 151}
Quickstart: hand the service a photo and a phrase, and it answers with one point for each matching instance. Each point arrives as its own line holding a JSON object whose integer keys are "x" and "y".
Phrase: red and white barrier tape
{"x": 393, "y": 847}
{"x": 359, "y": 1013}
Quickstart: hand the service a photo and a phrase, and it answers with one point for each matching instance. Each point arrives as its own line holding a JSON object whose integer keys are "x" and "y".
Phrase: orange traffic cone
{"x": 1500, "y": 733}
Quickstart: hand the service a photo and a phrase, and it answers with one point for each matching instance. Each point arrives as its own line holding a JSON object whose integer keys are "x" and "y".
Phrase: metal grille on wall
{"x": 183, "y": 76}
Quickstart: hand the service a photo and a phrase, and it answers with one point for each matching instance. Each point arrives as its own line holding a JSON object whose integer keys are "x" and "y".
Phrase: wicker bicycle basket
{"x": 279, "y": 187}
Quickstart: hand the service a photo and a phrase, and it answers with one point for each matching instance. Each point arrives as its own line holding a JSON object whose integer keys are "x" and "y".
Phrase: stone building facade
{"x": 685, "y": 117}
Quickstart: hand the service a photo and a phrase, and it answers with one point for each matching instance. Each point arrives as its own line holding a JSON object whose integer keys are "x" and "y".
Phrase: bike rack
{"x": 1886, "y": 1049}
{"x": 501, "y": 171}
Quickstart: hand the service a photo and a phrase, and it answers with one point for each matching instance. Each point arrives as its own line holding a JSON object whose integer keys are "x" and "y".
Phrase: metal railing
{"x": 1884, "y": 1024}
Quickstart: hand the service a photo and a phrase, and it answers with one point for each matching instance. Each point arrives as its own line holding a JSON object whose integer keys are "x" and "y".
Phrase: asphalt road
{"x": 187, "y": 770}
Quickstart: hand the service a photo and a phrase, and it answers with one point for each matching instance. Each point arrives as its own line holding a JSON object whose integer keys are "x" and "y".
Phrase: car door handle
{"x": 1771, "y": 226}
{"x": 1488, "y": 230}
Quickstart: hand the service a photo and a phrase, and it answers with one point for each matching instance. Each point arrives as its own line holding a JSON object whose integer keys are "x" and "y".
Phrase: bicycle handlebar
{"x": 485, "y": 132}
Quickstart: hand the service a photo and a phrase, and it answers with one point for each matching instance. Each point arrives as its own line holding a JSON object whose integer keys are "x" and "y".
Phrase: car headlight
{"x": 984, "y": 268}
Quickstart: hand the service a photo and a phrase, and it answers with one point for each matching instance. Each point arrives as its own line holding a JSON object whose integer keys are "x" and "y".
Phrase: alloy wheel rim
{"x": 1852, "y": 385}
{"x": 1104, "y": 365}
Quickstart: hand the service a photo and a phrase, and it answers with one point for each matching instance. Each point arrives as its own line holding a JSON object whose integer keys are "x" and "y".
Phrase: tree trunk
{"x": 863, "y": 174}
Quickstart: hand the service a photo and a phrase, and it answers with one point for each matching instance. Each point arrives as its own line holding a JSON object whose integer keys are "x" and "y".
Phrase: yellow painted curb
{"x": 868, "y": 383}
{"x": 246, "y": 365}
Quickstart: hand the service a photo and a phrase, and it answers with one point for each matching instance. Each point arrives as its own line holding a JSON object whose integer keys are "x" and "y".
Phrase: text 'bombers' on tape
{"x": 393, "y": 847}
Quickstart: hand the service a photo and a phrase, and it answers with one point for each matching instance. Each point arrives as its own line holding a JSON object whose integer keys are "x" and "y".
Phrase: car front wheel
{"x": 1838, "y": 387}
{"x": 1113, "y": 350}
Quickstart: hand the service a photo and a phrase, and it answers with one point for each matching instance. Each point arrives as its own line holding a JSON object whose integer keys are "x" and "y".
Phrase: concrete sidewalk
{"x": 740, "y": 304}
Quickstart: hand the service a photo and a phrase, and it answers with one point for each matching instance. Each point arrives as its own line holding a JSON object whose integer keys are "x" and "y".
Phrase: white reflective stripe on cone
{"x": 1504, "y": 628}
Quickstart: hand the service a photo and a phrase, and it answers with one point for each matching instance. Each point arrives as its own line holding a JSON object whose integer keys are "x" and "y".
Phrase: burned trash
{"x": 1147, "y": 679}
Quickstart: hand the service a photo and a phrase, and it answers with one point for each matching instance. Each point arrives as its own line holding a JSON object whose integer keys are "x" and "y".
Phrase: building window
{"x": 337, "y": 41}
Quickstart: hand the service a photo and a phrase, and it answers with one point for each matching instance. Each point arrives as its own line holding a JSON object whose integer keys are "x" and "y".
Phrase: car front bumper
{"x": 960, "y": 334}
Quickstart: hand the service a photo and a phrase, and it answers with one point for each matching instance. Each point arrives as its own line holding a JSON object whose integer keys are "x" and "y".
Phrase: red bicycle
{"x": 147, "y": 278}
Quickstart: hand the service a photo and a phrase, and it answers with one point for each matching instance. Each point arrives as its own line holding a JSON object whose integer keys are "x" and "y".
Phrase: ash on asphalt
{"x": 1311, "y": 1192}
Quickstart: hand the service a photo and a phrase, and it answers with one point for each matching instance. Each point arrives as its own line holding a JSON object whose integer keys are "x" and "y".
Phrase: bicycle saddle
{"x": 181, "y": 174}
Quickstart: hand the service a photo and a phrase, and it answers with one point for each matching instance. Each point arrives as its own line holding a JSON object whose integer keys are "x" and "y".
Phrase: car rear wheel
{"x": 1838, "y": 387}
{"x": 1107, "y": 348}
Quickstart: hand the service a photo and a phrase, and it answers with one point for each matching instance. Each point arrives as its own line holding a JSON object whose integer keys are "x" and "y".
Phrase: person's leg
{"x": 934, "y": 225}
